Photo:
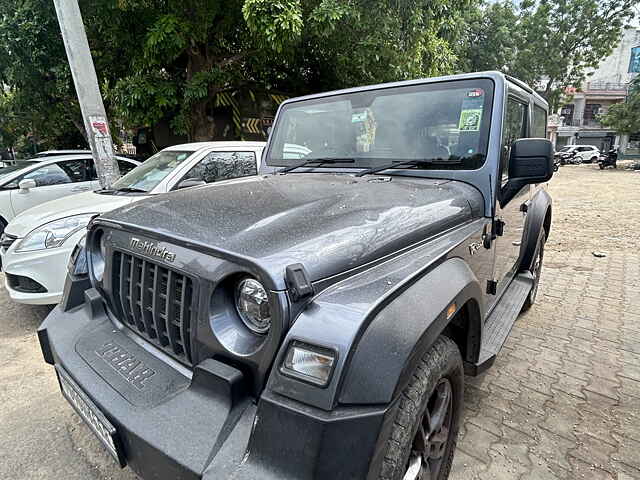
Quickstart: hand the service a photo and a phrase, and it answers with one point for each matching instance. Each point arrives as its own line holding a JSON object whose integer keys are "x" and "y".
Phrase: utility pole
{"x": 86, "y": 82}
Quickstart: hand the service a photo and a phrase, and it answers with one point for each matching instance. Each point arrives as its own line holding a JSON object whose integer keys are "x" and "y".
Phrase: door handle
{"x": 81, "y": 189}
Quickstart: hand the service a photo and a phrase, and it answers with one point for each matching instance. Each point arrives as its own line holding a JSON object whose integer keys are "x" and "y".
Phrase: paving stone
{"x": 563, "y": 398}
{"x": 476, "y": 442}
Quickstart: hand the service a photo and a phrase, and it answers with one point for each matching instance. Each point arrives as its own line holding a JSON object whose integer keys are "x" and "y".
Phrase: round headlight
{"x": 252, "y": 303}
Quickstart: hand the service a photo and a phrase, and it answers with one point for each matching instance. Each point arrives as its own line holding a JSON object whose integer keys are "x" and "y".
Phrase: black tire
{"x": 593, "y": 159}
{"x": 440, "y": 370}
{"x": 536, "y": 271}
{"x": 601, "y": 166}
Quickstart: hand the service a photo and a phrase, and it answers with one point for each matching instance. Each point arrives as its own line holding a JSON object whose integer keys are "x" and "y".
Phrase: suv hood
{"x": 328, "y": 222}
{"x": 87, "y": 202}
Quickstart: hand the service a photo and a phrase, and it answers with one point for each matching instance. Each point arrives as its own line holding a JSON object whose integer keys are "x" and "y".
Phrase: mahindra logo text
{"x": 151, "y": 249}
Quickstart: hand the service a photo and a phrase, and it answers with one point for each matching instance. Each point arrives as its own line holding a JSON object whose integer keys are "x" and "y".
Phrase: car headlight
{"x": 54, "y": 234}
{"x": 252, "y": 303}
{"x": 309, "y": 363}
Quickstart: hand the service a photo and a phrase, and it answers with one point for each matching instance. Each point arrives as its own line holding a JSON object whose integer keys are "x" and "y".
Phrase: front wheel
{"x": 536, "y": 271}
{"x": 601, "y": 165}
{"x": 423, "y": 438}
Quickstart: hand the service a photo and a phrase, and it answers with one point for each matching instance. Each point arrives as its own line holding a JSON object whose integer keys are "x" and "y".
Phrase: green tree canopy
{"x": 625, "y": 117}
{"x": 550, "y": 44}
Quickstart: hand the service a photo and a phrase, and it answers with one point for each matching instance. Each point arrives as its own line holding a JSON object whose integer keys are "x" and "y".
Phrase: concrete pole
{"x": 86, "y": 82}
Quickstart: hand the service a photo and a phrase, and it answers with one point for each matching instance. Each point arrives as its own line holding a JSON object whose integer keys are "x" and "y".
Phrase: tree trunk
{"x": 202, "y": 127}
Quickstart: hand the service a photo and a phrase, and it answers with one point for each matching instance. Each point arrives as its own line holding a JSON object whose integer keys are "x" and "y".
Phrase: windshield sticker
{"x": 359, "y": 117}
{"x": 366, "y": 127}
{"x": 470, "y": 120}
{"x": 476, "y": 92}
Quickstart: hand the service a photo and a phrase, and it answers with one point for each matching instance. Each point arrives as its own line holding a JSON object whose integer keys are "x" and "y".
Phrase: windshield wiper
{"x": 131, "y": 190}
{"x": 412, "y": 163}
{"x": 319, "y": 161}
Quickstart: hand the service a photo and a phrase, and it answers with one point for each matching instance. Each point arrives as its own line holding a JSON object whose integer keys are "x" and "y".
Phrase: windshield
{"x": 447, "y": 122}
{"x": 565, "y": 149}
{"x": 148, "y": 175}
{"x": 4, "y": 171}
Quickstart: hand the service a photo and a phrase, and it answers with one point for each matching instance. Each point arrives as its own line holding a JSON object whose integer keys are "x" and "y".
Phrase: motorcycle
{"x": 608, "y": 159}
{"x": 567, "y": 158}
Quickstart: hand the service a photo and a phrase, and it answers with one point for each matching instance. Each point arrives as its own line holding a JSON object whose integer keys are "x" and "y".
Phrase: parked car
{"x": 577, "y": 154}
{"x": 316, "y": 323}
{"x": 37, "y": 244}
{"x": 57, "y": 153}
{"x": 53, "y": 177}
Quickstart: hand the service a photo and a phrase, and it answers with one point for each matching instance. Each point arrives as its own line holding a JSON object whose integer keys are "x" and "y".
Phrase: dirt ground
{"x": 562, "y": 401}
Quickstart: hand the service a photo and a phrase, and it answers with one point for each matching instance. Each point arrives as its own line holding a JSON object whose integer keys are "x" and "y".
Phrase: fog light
{"x": 309, "y": 363}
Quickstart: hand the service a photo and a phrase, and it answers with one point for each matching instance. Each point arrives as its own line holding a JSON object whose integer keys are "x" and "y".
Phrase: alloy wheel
{"x": 430, "y": 442}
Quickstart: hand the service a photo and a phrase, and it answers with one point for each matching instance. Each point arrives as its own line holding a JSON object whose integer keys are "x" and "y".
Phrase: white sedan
{"x": 28, "y": 184}
{"x": 37, "y": 244}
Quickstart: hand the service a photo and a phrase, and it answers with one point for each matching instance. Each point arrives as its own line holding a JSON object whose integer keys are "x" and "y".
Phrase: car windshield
{"x": 5, "y": 171}
{"x": 148, "y": 175}
{"x": 565, "y": 149}
{"x": 447, "y": 122}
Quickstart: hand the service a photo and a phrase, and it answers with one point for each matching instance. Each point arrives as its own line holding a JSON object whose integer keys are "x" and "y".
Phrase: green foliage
{"x": 550, "y": 43}
{"x": 37, "y": 100}
{"x": 625, "y": 117}
{"x": 277, "y": 22}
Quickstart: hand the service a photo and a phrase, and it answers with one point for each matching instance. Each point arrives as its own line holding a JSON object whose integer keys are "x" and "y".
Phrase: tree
{"x": 491, "y": 39}
{"x": 38, "y": 96}
{"x": 550, "y": 44}
{"x": 193, "y": 49}
{"x": 625, "y": 117}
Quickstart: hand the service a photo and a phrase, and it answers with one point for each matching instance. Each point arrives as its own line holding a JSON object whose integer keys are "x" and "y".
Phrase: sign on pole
{"x": 86, "y": 82}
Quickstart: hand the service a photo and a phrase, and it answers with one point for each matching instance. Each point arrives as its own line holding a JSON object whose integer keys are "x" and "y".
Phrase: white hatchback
{"x": 25, "y": 185}
{"x": 36, "y": 246}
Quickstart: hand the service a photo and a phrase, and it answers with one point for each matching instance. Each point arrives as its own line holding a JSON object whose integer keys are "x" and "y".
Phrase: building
{"x": 578, "y": 123}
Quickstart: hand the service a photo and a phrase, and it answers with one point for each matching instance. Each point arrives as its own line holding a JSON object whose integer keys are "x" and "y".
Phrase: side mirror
{"x": 26, "y": 185}
{"x": 191, "y": 182}
{"x": 531, "y": 161}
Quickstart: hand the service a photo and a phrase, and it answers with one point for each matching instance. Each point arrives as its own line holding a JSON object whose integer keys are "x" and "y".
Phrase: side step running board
{"x": 499, "y": 324}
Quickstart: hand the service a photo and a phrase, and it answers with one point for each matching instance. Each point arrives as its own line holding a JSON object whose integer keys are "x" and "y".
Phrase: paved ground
{"x": 562, "y": 401}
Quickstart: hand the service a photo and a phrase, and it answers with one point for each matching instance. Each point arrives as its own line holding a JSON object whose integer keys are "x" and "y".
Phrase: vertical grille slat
{"x": 134, "y": 278}
{"x": 144, "y": 300}
{"x": 124, "y": 279}
{"x": 186, "y": 300}
{"x": 170, "y": 312}
{"x": 156, "y": 302}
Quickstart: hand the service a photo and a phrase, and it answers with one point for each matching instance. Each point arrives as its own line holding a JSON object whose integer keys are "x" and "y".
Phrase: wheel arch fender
{"x": 401, "y": 332}
{"x": 539, "y": 214}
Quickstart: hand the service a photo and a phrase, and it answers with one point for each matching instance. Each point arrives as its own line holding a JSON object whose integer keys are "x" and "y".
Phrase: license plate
{"x": 92, "y": 416}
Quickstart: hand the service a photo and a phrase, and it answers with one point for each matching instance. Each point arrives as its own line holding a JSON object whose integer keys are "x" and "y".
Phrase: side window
{"x": 539, "y": 122}
{"x": 218, "y": 166}
{"x": 76, "y": 170}
{"x": 125, "y": 167}
{"x": 56, "y": 174}
{"x": 514, "y": 128}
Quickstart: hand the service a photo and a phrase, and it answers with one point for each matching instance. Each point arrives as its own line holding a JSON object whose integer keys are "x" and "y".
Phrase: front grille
{"x": 155, "y": 302}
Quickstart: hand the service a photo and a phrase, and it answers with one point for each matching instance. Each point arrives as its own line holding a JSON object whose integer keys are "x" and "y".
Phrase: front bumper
{"x": 202, "y": 425}
{"x": 46, "y": 267}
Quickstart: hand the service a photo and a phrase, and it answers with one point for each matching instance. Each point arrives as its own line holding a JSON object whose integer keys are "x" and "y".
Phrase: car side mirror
{"x": 191, "y": 182}
{"x": 26, "y": 185}
{"x": 531, "y": 161}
